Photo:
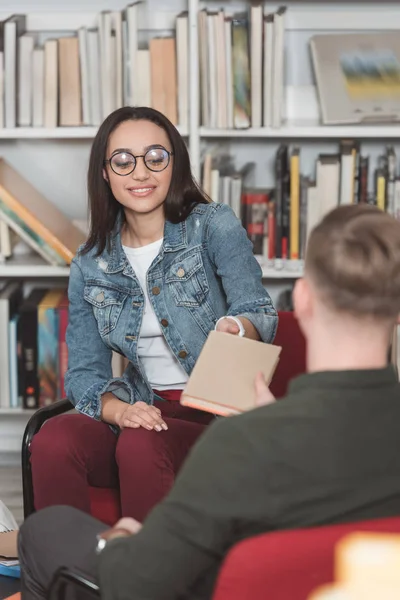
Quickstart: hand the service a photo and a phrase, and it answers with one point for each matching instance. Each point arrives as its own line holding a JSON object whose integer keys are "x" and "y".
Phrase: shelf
{"x": 308, "y": 130}
{"x": 281, "y": 269}
{"x": 31, "y": 266}
{"x": 15, "y": 412}
{"x": 58, "y": 133}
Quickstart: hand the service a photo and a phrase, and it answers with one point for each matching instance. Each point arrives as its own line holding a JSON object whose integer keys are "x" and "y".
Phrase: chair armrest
{"x": 65, "y": 577}
{"x": 34, "y": 424}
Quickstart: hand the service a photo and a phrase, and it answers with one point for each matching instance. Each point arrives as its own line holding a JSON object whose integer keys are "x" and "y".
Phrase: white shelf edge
{"x": 304, "y": 131}
{"x": 63, "y": 133}
{"x": 282, "y": 270}
{"x": 13, "y": 412}
{"x": 29, "y": 271}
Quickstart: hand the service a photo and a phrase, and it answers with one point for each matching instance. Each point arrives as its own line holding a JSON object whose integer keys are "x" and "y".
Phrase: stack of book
{"x": 79, "y": 80}
{"x": 28, "y": 216}
{"x": 279, "y": 220}
{"x": 242, "y": 68}
{"x": 33, "y": 350}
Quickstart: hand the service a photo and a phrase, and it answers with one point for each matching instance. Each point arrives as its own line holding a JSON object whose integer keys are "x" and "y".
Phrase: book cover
{"x": 40, "y": 214}
{"x": 229, "y": 389}
{"x": 47, "y": 340}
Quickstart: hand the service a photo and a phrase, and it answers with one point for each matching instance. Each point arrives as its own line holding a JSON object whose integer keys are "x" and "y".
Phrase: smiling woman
{"x": 162, "y": 267}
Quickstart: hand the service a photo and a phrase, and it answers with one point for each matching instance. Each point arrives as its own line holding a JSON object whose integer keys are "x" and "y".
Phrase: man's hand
{"x": 263, "y": 394}
{"x": 129, "y": 524}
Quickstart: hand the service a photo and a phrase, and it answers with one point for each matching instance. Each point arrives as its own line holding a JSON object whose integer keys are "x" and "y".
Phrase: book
{"x": 62, "y": 344}
{"x": 41, "y": 215}
{"x": 47, "y": 345}
{"x": 69, "y": 83}
{"x": 241, "y": 71}
{"x": 358, "y": 77}
{"x": 10, "y": 299}
{"x": 229, "y": 389}
{"x": 27, "y": 340}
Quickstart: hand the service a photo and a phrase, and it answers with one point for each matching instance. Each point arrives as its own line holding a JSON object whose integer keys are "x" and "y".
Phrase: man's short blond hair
{"x": 353, "y": 259}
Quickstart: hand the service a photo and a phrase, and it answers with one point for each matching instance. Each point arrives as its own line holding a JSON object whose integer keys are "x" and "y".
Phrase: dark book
{"x": 282, "y": 199}
{"x": 27, "y": 338}
{"x": 363, "y": 179}
{"x": 254, "y": 217}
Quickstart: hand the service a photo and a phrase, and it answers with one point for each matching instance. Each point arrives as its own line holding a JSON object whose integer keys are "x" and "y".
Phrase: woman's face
{"x": 145, "y": 188}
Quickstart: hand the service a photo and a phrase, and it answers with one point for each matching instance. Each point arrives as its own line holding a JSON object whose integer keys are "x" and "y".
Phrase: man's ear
{"x": 302, "y": 299}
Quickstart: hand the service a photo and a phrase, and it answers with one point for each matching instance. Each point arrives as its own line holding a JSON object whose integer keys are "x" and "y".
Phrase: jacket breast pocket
{"x": 107, "y": 304}
{"x": 187, "y": 280}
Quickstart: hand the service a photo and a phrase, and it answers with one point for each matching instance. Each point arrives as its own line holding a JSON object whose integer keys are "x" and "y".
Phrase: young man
{"x": 329, "y": 452}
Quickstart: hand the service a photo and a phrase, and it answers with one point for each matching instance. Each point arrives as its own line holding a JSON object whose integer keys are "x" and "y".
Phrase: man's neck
{"x": 341, "y": 348}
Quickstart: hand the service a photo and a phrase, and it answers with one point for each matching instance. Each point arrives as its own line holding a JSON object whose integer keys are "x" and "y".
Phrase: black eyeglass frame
{"x": 169, "y": 154}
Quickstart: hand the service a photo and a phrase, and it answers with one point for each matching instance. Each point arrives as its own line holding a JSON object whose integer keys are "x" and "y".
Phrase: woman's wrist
{"x": 241, "y": 332}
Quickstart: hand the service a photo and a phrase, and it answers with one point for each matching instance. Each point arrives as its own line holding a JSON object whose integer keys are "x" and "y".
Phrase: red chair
{"x": 287, "y": 565}
{"x": 105, "y": 502}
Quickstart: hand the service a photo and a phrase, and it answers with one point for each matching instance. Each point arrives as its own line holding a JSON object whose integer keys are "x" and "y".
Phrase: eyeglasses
{"x": 124, "y": 163}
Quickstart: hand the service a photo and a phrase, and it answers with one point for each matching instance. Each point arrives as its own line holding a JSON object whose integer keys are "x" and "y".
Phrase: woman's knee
{"x": 139, "y": 444}
{"x": 65, "y": 436}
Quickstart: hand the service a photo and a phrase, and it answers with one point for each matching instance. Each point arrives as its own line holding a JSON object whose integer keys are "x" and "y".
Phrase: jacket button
{"x": 100, "y": 297}
{"x": 180, "y": 272}
{"x": 155, "y": 290}
{"x": 182, "y": 354}
{"x": 164, "y": 322}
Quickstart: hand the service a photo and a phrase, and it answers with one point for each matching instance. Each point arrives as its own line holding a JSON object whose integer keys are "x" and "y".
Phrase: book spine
{"x": 241, "y": 73}
{"x": 27, "y": 336}
{"x": 47, "y": 354}
{"x": 63, "y": 349}
{"x": 255, "y": 211}
{"x": 295, "y": 205}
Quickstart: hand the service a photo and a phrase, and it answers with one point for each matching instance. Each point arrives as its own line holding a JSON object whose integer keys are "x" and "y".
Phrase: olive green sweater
{"x": 329, "y": 452}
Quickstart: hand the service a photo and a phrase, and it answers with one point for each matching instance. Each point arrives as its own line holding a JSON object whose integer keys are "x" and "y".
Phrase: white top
{"x": 161, "y": 367}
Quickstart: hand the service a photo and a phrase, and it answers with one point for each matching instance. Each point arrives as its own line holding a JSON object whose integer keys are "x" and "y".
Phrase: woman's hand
{"x": 141, "y": 414}
{"x": 228, "y": 326}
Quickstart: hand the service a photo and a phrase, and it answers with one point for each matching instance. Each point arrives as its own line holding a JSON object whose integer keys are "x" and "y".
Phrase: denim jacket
{"x": 204, "y": 270}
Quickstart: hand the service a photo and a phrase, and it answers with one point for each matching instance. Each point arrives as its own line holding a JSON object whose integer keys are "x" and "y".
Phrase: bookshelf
{"x": 55, "y": 159}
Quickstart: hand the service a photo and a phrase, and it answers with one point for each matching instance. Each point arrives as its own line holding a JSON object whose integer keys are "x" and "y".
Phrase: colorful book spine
{"x": 48, "y": 360}
{"x": 241, "y": 71}
{"x": 255, "y": 215}
{"x": 62, "y": 344}
{"x": 295, "y": 204}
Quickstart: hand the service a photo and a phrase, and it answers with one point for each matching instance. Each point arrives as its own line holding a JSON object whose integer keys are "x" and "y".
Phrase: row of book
{"x": 33, "y": 353}
{"x": 279, "y": 220}
{"x": 33, "y": 350}
{"x": 80, "y": 79}
{"x": 242, "y": 67}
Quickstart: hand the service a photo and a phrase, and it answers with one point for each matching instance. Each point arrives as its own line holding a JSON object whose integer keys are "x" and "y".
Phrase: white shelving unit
{"x": 55, "y": 160}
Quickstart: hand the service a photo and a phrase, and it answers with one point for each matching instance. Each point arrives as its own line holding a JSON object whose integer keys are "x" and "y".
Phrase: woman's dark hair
{"x": 104, "y": 209}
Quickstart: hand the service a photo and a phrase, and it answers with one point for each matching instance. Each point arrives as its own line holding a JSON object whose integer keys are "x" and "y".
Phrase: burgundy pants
{"x": 72, "y": 452}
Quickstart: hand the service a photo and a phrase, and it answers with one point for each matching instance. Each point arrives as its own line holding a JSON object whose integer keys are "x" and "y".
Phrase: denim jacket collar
{"x": 175, "y": 238}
